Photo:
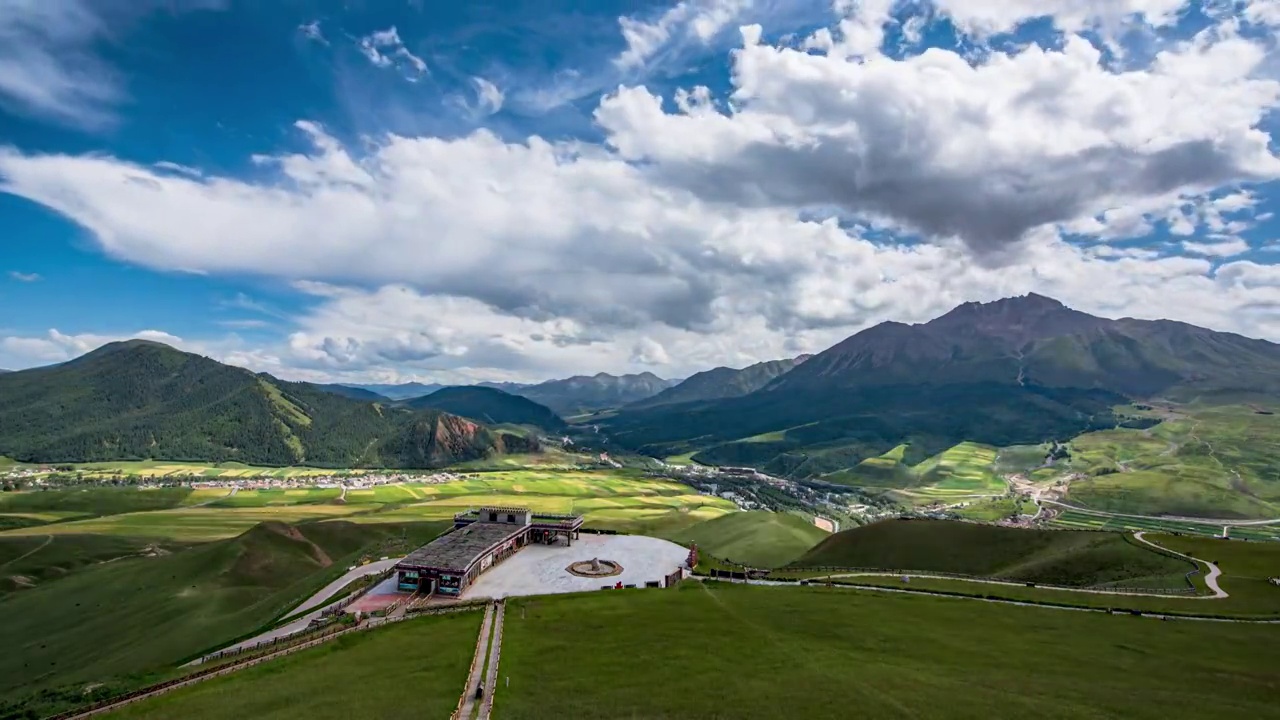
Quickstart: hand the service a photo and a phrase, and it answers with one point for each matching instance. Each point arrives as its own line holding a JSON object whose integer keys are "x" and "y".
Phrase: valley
{"x": 184, "y": 507}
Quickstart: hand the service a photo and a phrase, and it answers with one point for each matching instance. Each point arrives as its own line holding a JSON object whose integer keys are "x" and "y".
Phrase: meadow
{"x": 621, "y": 500}
{"x": 755, "y": 538}
{"x": 960, "y": 473}
{"x": 1212, "y": 462}
{"x": 1044, "y": 556}
{"x": 1245, "y": 566}
{"x": 416, "y": 668}
{"x": 118, "y": 623}
{"x": 171, "y": 469}
{"x": 719, "y": 650}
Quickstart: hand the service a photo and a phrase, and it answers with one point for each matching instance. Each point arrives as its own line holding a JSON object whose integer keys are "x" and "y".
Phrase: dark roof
{"x": 457, "y": 550}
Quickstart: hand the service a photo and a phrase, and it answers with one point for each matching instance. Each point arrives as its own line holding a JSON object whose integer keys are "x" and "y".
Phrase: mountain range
{"x": 719, "y": 383}
{"x": 144, "y": 400}
{"x": 1014, "y": 371}
{"x": 570, "y": 396}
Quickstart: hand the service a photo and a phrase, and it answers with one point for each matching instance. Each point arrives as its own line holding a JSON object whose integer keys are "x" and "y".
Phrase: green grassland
{"x": 268, "y": 497}
{"x": 203, "y": 524}
{"x": 1057, "y": 557}
{"x": 28, "y": 561}
{"x": 1245, "y": 568}
{"x": 720, "y": 650}
{"x": 757, "y": 538}
{"x": 956, "y": 474}
{"x": 412, "y": 669}
{"x": 617, "y": 499}
{"x": 1077, "y": 520}
{"x": 997, "y": 509}
{"x": 1214, "y": 462}
{"x": 116, "y": 623}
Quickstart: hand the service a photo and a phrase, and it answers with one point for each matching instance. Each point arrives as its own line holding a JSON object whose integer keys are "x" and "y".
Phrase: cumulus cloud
{"x": 946, "y": 148}
{"x": 822, "y": 194}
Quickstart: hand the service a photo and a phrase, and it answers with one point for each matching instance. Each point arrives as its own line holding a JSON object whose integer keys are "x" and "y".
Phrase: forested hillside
{"x": 489, "y": 405}
{"x": 145, "y": 400}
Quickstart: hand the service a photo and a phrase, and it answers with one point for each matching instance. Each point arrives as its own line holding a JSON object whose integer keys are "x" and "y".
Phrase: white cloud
{"x": 48, "y": 67}
{"x": 688, "y": 21}
{"x": 1263, "y": 12}
{"x": 949, "y": 149}
{"x": 385, "y": 49}
{"x": 1226, "y": 247}
{"x": 54, "y": 346}
{"x": 488, "y": 97}
{"x": 312, "y": 31}
{"x": 49, "y": 62}
{"x": 24, "y": 277}
{"x": 680, "y": 245}
{"x": 988, "y": 17}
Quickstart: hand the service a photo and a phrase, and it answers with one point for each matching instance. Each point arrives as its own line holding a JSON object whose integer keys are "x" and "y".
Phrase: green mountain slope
{"x": 1015, "y": 371}
{"x": 143, "y": 400}
{"x": 721, "y": 382}
{"x": 755, "y": 538}
{"x": 102, "y": 623}
{"x": 490, "y": 406}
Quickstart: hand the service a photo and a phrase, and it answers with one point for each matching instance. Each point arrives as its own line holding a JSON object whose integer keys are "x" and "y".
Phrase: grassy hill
{"x": 141, "y": 400}
{"x": 115, "y": 623}
{"x": 1044, "y": 556}
{"x": 755, "y": 538}
{"x": 721, "y": 382}
{"x": 490, "y": 406}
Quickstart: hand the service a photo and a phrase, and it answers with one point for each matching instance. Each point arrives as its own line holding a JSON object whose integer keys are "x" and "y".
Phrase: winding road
{"x": 1210, "y": 580}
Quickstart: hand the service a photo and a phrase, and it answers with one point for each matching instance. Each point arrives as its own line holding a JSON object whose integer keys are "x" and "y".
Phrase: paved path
{"x": 332, "y": 588}
{"x": 495, "y": 654}
{"x": 315, "y": 604}
{"x": 1211, "y": 579}
{"x": 467, "y": 706}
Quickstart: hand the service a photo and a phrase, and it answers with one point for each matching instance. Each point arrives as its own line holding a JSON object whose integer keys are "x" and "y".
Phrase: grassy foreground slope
{"x": 756, "y": 538}
{"x": 733, "y": 651}
{"x": 1060, "y": 557}
{"x": 412, "y": 669}
{"x": 118, "y": 621}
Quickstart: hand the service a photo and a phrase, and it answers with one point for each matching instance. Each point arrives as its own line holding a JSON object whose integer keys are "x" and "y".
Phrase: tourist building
{"x": 481, "y": 538}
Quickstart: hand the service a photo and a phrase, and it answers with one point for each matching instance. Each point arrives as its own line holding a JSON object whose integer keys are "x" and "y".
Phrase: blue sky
{"x": 395, "y": 190}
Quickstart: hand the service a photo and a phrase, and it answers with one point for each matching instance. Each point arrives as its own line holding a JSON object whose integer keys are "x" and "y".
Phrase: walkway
{"x": 495, "y": 654}
{"x": 467, "y": 703}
